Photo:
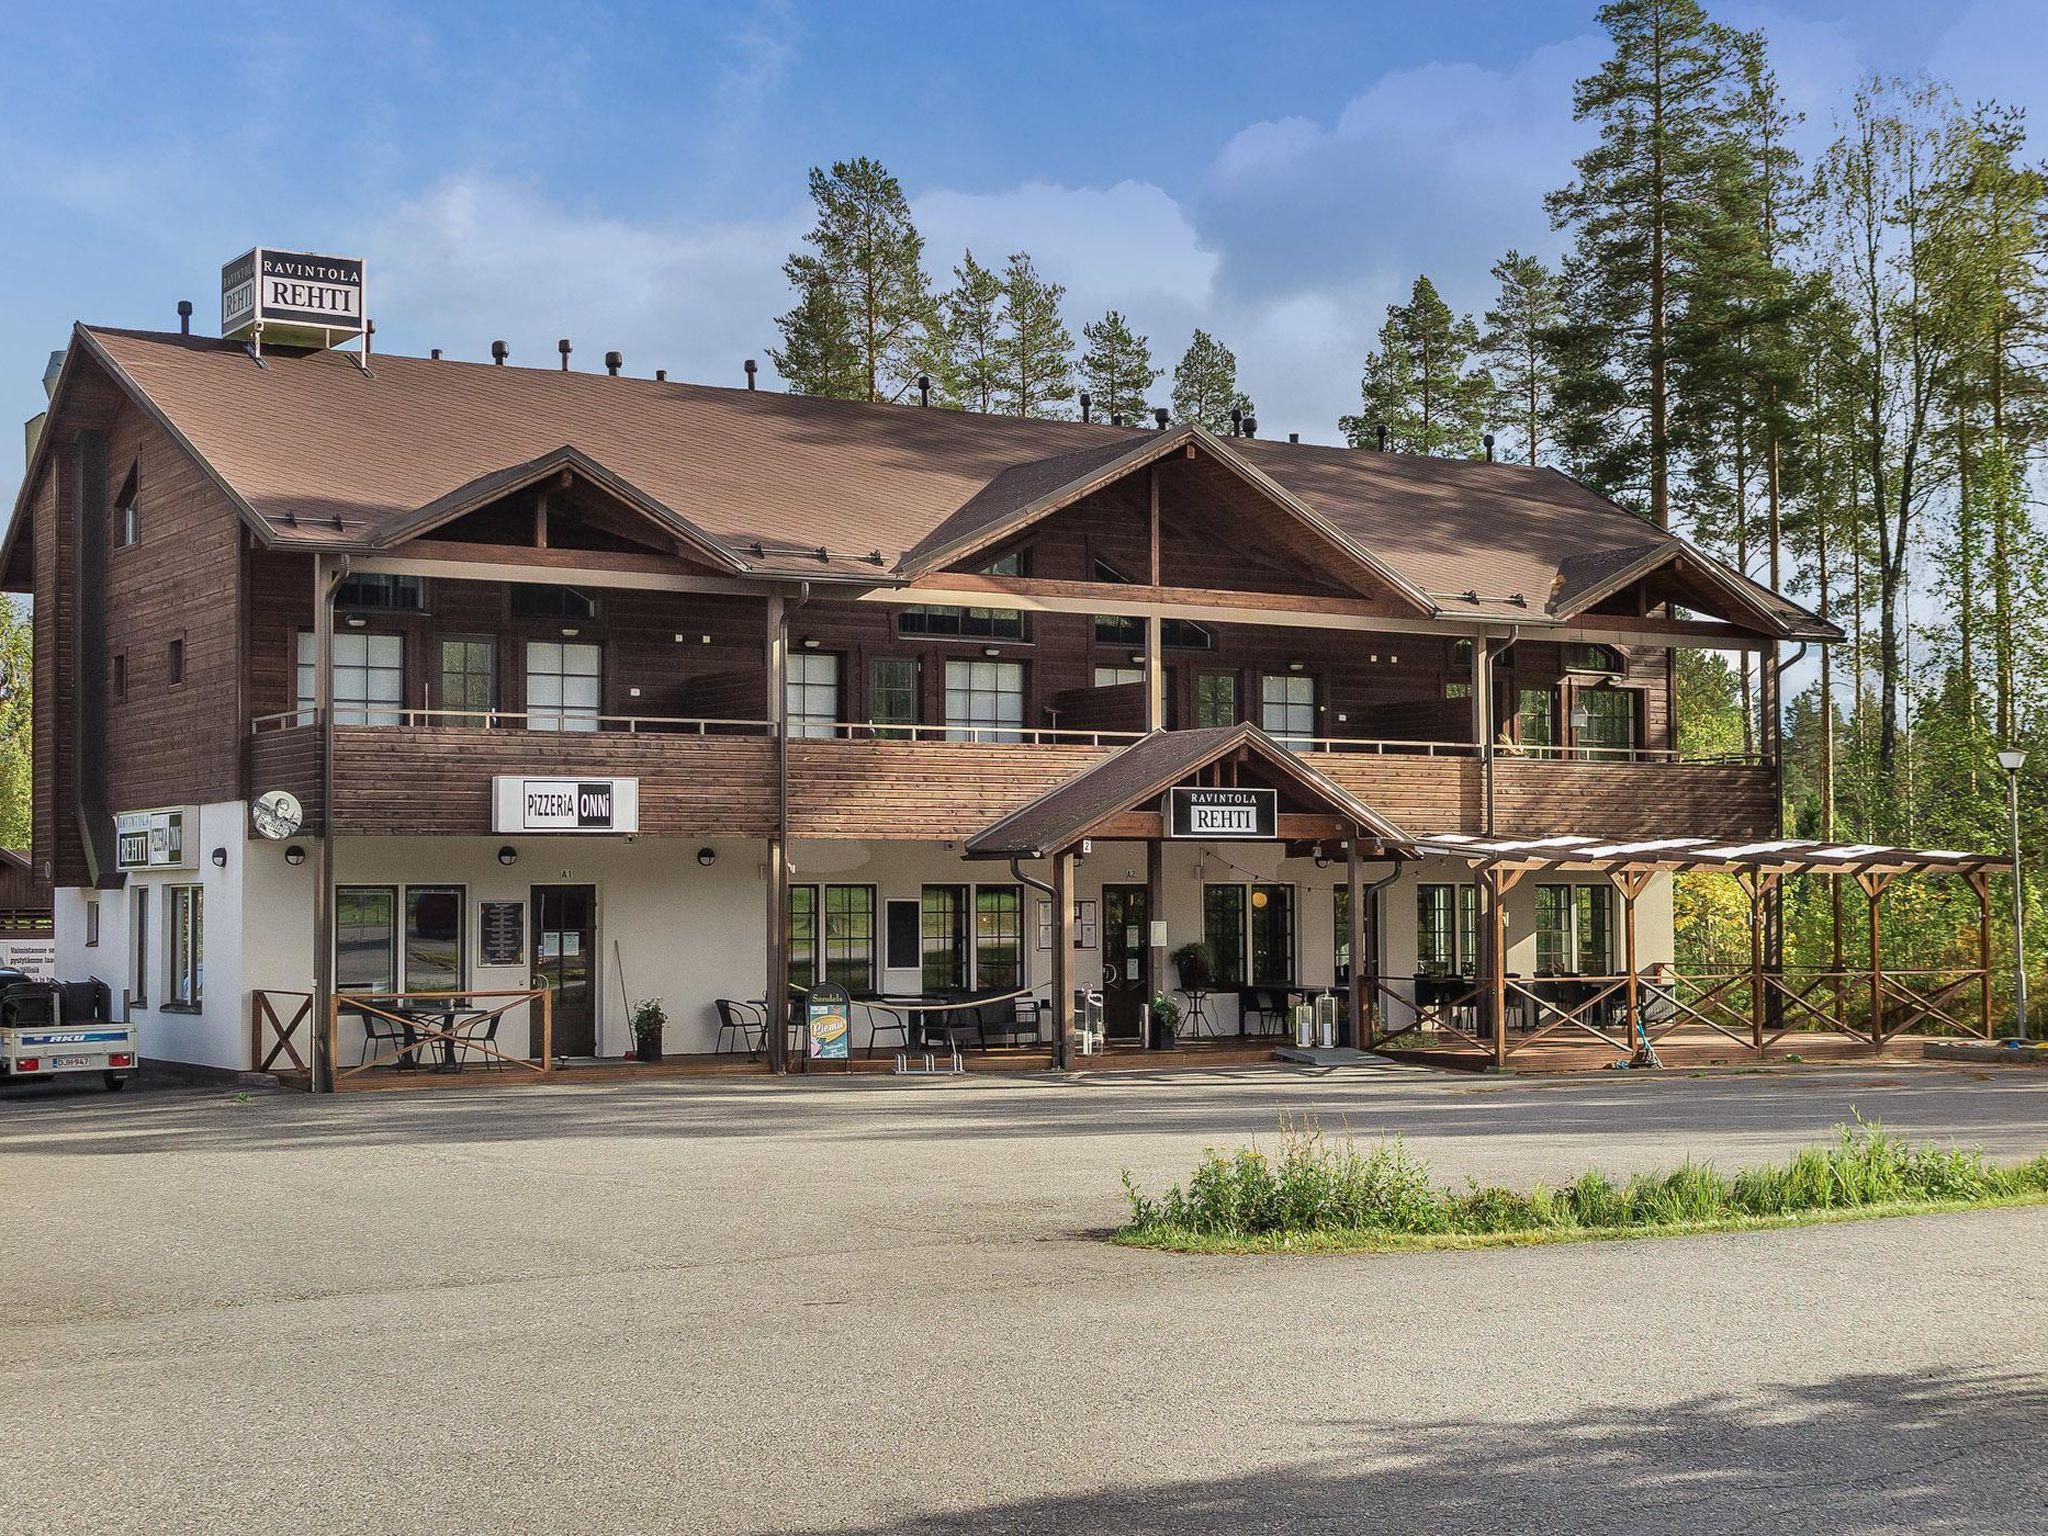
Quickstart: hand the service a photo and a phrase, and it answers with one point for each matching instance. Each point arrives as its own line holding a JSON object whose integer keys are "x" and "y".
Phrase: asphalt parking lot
{"x": 884, "y": 1307}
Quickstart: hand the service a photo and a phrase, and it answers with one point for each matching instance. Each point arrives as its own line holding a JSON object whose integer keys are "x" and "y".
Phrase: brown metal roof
{"x": 1136, "y": 777}
{"x": 319, "y": 455}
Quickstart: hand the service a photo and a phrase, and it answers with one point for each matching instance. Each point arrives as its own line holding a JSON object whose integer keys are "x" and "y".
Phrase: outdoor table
{"x": 441, "y": 1017}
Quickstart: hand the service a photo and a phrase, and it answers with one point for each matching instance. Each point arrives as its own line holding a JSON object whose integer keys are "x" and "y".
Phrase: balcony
{"x": 430, "y": 774}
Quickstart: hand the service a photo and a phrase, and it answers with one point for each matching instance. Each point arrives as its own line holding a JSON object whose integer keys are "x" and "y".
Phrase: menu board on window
{"x": 503, "y": 928}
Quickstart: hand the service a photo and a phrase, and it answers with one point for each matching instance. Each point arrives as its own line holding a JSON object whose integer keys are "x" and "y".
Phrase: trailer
{"x": 60, "y": 1029}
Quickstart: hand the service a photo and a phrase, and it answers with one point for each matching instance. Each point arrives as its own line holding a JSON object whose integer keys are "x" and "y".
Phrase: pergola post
{"x": 1631, "y": 883}
{"x": 1753, "y": 887}
{"x": 776, "y": 995}
{"x": 1155, "y": 926}
{"x": 1063, "y": 960}
{"x": 1981, "y": 884}
{"x": 1498, "y": 883}
{"x": 1874, "y": 886}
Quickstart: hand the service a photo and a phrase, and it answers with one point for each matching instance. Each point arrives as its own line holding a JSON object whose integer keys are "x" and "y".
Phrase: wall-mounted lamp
{"x": 991, "y": 650}
{"x": 1296, "y": 666}
{"x": 707, "y": 856}
{"x": 1138, "y": 660}
{"x": 508, "y": 855}
{"x": 295, "y": 855}
{"x": 570, "y": 631}
{"x": 355, "y": 621}
{"x": 220, "y": 858}
{"x": 1322, "y": 858}
{"x": 809, "y": 642}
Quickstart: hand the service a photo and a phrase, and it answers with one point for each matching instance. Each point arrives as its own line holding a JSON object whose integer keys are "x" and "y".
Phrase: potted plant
{"x": 648, "y": 1020}
{"x": 1165, "y": 1021}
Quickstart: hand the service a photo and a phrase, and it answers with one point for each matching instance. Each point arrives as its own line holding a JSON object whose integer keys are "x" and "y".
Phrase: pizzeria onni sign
{"x": 564, "y": 805}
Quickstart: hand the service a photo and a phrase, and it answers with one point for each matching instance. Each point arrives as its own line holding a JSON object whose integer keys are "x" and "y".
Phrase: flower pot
{"x": 648, "y": 1048}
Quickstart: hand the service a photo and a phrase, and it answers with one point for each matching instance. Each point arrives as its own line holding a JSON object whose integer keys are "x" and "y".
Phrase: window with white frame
{"x": 1446, "y": 930}
{"x": 369, "y": 677}
{"x": 185, "y": 949}
{"x": 564, "y": 685}
{"x": 1116, "y": 677}
{"x": 984, "y": 700}
{"x": 813, "y": 692}
{"x": 1287, "y": 706}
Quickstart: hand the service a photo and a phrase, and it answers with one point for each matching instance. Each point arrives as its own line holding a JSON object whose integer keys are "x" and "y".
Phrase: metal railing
{"x": 555, "y": 721}
{"x": 1002, "y": 735}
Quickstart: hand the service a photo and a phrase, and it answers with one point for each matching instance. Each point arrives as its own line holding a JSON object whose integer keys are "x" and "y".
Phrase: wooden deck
{"x": 1680, "y": 1050}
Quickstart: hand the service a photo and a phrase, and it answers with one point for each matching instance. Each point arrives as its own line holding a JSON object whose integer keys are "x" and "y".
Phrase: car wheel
{"x": 115, "y": 1081}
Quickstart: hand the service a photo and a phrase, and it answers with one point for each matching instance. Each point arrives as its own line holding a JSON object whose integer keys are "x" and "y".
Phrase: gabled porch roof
{"x": 1138, "y": 776}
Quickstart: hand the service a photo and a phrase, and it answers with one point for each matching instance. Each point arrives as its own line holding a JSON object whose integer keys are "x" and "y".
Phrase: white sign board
{"x": 34, "y": 957}
{"x": 564, "y": 805}
{"x": 156, "y": 839}
{"x": 299, "y": 299}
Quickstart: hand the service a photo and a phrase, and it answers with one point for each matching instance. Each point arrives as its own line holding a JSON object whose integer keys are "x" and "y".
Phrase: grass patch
{"x": 1315, "y": 1195}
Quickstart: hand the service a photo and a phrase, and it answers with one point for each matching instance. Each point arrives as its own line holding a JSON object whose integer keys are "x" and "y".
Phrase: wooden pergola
{"x": 1754, "y": 1006}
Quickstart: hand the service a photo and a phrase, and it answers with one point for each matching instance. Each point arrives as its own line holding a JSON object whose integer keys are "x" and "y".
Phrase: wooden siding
{"x": 1541, "y": 798}
{"x": 926, "y": 791}
{"x": 288, "y": 759}
{"x": 1417, "y": 794}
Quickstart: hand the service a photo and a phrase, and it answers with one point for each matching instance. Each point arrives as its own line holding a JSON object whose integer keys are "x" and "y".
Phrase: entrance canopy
{"x": 1120, "y": 797}
{"x": 1783, "y": 856}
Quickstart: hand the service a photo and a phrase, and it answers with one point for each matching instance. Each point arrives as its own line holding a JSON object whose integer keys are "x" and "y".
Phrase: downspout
{"x": 1371, "y": 962}
{"x": 1051, "y": 895}
{"x": 327, "y": 582}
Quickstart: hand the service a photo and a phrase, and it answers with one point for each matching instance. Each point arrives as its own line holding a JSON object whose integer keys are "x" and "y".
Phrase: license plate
{"x": 60, "y": 1062}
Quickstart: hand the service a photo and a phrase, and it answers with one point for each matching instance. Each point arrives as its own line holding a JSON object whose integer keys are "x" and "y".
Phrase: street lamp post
{"x": 2012, "y": 760}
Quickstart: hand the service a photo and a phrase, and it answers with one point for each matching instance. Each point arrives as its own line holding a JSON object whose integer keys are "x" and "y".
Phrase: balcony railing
{"x": 550, "y": 721}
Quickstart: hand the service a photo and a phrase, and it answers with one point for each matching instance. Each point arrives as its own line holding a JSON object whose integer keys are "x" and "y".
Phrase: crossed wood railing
{"x": 420, "y": 1032}
{"x": 271, "y": 1037}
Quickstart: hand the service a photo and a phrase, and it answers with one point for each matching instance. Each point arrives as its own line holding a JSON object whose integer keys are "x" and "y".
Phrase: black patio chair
{"x": 737, "y": 1019}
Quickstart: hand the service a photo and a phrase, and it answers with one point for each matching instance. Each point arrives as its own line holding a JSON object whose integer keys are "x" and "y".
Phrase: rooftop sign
{"x": 291, "y": 298}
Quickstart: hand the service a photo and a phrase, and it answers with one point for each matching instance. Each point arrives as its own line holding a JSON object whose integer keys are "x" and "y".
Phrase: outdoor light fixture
{"x": 1138, "y": 659}
{"x": 991, "y": 650}
{"x": 1296, "y": 666}
{"x": 2012, "y": 760}
{"x": 295, "y": 855}
{"x": 570, "y": 631}
{"x": 220, "y": 858}
{"x": 508, "y": 855}
{"x": 810, "y": 642}
{"x": 707, "y": 857}
{"x": 355, "y": 621}
{"x": 1322, "y": 858}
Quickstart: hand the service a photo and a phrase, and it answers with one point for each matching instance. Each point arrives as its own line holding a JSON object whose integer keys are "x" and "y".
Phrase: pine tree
{"x": 818, "y": 355}
{"x": 1205, "y": 385}
{"x": 1519, "y": 348}
{"x": 1117, "y": 368}
{"x": 974, "y": 327}
{"x": 1035, "y": 347}
{"x": 1643, "y": 194}
{"x": 866, "y": 250}
{"x": 1419, "y": 384}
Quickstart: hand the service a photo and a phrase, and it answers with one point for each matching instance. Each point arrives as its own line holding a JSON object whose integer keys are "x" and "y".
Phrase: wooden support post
{"x": 1632, "y": 883}
{"x": 1981, "y": 884}
{"x": 1360, "y": 1006}
{"x": 1063, "y": 961}
{"x": 1874, "y": 888}
{"x": 1752, "y": 887}
{"x": 1155, "y": 925}
{"x": 1498, "y": 883}
{"x": 776, "y": 993}
{"x": 1155, "y": 628}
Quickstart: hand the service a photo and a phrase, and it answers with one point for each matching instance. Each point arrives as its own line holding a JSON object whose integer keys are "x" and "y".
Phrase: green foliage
{"x": 1205, "y": 384}
{"x": 973, "y": 310}
{"x": 1419, "y": 384}
{"x": 17, "y": 736}
{"x": 1314, "y": 1188}
{"x": 1117, "y": 369}
{"x": 1519, "y": 349}
{"x": 1033, "y": 346}
{"x": 649, "y": 1019}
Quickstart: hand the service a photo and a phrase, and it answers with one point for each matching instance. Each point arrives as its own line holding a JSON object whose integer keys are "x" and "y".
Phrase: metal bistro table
{"x": 438, "y": 1021}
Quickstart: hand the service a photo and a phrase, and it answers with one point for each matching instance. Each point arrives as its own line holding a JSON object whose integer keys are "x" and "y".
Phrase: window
{"x": 941, "y": 623}
{"x": 175, "y": 662}
{"x": 469, "y": 678}
{"x": 564, "y": 685}
{"x": 186, "y": 949}
{"x": 943, "y": 940}
{"x": 1572, "y": 926}
{"x": 803, "y": 936}
{"x": 984, "y": 700}
{"x": 379, "y": 593}
{"x": 850, "y": 937}
{"x": 1215, "y": 698}
{"x": 92, "y": 924}
{"x": 1592, "y": 922}
{"x": 433, "y": 938}
{"x": 1111, "y": 629}
{"x": 558, "y": 605}
{"x": 366, "y": 938}
{"x": 138, "y": 944}
{"x": 1446, "y": 930}
{"x": 1116, "y": 677}
{"x": 1536, "y": 717}
{"x": 120, "y": 674}
{"x": 1554, "y": 930}
{"x": 1593, "y": 658}
{"x": 1604, "y": 720}
{"x": 369, "y": 677}
{"x": 1287, "y": 707}
{"x": 892, "y": 694}
{"x": 1011, "y": 564}
{"x": 1341, "y": 914}
{"x": 812, "y": 688}
{"x": 1223, "y": 932}
{"x": 128, "y": 510}
{"x": 998, "y": 937}
{"x": 1272, "y": 934}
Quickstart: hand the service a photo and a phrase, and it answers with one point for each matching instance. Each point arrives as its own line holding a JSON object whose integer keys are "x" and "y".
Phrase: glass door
{"x": 1126, "y": 963}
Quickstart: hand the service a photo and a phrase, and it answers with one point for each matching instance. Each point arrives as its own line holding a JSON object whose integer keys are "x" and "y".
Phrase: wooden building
{"x": 628, "y": 688}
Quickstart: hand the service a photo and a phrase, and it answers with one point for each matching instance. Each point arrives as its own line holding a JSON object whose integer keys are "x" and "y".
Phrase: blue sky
{"x": 631, "y": 175}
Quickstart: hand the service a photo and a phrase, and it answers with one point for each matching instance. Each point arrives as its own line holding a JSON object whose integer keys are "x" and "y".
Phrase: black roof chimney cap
{"x": 434, "y": 353}
{"x": 184, "y": 317}
{"x": 1159, "y": 415}
{"x": 499, "y": 352}
{"x": 613, "y": 362}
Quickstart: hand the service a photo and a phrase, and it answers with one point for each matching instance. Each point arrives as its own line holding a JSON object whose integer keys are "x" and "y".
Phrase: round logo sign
{"x": 277, "y": 814}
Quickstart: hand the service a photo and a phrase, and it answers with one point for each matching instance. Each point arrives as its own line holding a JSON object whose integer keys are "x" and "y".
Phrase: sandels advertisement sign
{"x": 297, "y": 297}
{"x": 564, "y": 805}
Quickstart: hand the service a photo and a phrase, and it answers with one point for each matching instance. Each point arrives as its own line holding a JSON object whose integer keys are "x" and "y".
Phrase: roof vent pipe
{"x": 1237, "y": 421}
{"x": 1383, "y": 437}
{"x": 434, "y": 353}
{"x": 499, "y": 352}
{"x": 1294, "y": 437}
{"x": 1116, "y": 418}
{"x": 1487, "y": 438}
{"x": 924, "y": 389}
{"x": 1251, "y": 426}
{"x": 184, "y": 317}
{"x": 613, "y": 362}
{"x": 752, "y": 369}
{"x": 661, "y": 375}
{"x": 1159, "y": 415}
{"x": 562, "y": 347}
{"x": 1085, "y": 404}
